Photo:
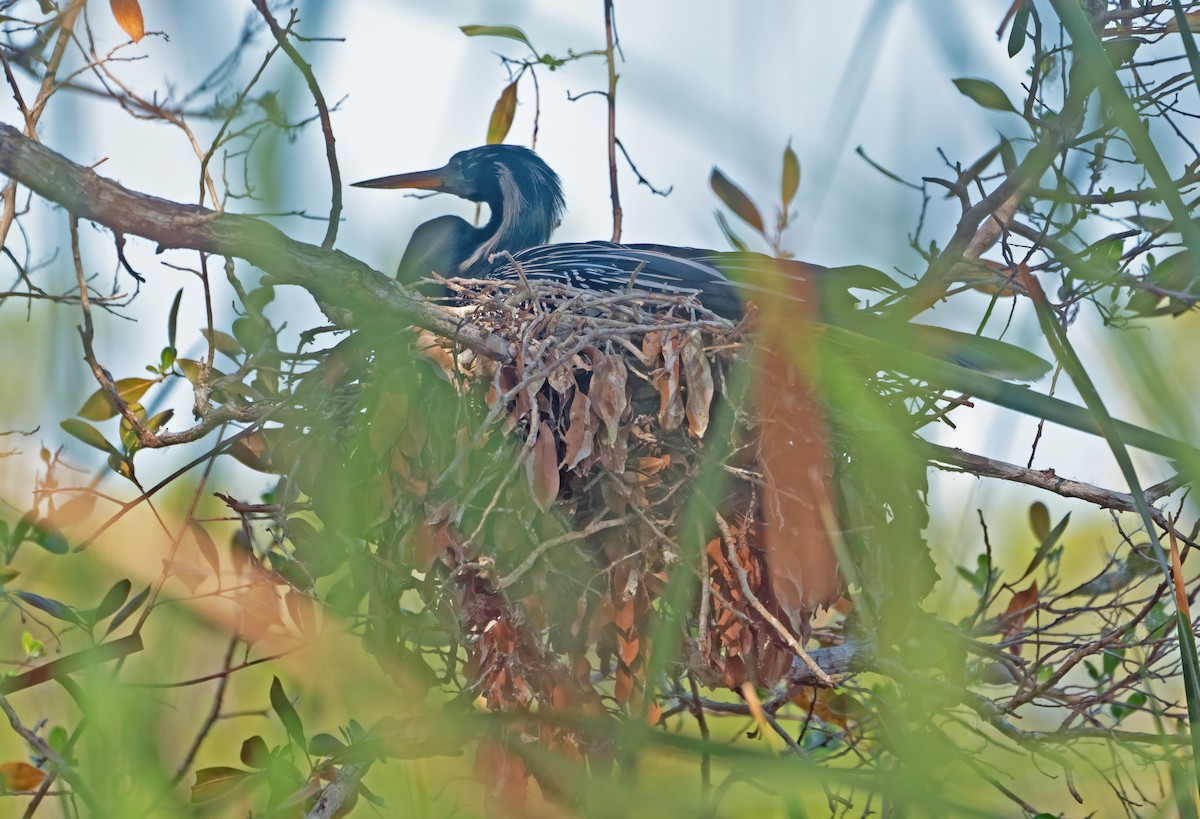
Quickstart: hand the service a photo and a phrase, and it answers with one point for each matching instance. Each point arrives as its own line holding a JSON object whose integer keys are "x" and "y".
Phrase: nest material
{"x": 615, "y": 398}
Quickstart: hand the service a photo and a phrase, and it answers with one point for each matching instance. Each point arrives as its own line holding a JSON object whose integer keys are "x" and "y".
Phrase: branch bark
{"x": 349, "y": 291}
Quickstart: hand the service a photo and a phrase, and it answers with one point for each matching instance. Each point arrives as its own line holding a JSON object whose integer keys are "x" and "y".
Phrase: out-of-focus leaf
{"x": 541, "y": 468}
{"x": 208, "y": 548}
{"x": 213, "y": 783}
{"x": 60, "y": 611}
{"x": 128, "y": 609}
{"x": 985, "y": 93}
{"x": 128, "y": 15}
{"x": 113, "y": 600}
{"x": 1020, "y": 25}
{"x": 223, "y": 342}
{"x": 287, "y": 713}
{"x": 48, "y": 536}
{"x": 324, "y": 745}
{"x": 160, "y": 420}
{"x": 255, "y": 752}
{"x": 74, "y": 510}
{"x": 791, "y": 176}
{"x": 100, "y": 406}
{"x": 88, "y": 434}
{"x": 508, "y": 32}
{"x": 20, "y": 776}
{"x": 502, "y": 115}
{"x": 736, "y": 200}
{"x": 730, "y": 236}
{"x": 1039, "y": 519}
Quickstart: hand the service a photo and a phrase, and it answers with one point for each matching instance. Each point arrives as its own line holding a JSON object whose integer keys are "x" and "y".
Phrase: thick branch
{"x": 350, "y": 292}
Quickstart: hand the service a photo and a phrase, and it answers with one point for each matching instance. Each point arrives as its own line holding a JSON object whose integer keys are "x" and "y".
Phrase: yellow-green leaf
{"x": 88, "y": 434}
{"x": 791, "y": 175}
{"x": 508, "y": 32}
{"x": 99, "y": 406}
{"x": 502, "y": 115}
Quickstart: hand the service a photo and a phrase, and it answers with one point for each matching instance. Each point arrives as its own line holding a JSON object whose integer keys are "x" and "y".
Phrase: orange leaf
{"x": 21, "y": 776}
{"x": 129, "y": 17}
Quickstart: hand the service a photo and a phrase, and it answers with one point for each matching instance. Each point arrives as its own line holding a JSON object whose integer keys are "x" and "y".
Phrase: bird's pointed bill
{"x": 433, "y": 180}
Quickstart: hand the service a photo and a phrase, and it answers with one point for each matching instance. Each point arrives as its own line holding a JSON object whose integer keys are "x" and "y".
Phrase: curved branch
{"x": 348, "y": 290}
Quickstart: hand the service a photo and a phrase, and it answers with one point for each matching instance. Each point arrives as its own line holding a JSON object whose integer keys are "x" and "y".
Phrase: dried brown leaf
{"x": 541, "y": 468}
{"x": 581, "y": 432}
{"x": 608, "y": 393}
{"x": 20, "y": 776}
{"x": 698, "y": 376}
{"x": 670, "y": 403}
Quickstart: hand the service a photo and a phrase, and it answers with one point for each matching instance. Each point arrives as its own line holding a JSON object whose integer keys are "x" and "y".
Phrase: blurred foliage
{"x": 544, "y": 586}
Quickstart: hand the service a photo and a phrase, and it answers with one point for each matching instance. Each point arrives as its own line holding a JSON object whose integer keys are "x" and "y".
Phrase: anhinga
{"x": 526, "y": 203}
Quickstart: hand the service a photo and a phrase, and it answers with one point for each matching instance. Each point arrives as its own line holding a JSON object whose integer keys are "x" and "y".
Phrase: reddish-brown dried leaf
{"x": 581, "y": 432}
{"x": 128, "y": 15}
{"x": 502, "y": 773}
{"x": 1023, "y": 604}
{"x": 541, "y": 468}
{"x": 608, "y": 393}
{"x": 20, "y": 776}
{"x": 697, "y": 374}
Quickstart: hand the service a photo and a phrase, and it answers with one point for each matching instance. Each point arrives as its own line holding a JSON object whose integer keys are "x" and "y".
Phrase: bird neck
{"x": 516, "y": 222}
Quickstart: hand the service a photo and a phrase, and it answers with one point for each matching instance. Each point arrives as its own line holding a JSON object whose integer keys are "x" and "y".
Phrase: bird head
{"x": 495, "y": 174}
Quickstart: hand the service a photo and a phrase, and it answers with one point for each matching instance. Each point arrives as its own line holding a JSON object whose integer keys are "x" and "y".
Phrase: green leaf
{"x": 173, "y": 319}
{"x": 89, "y": 435}
{"x": 502, "y": 115}
{"x": 985, "y": 93}
{"x": 736, "y": 200}
{"x": 508, "y": 32}
{"x": 166, "y": 359}
{"x": 1019, "y": 31}
{"x": 286, "y": 713}
{"x": 113, "y": 600}
{"x": 99, "y": 406}
{"x": 129, "y": 608}
{"x": 791, "y": 175}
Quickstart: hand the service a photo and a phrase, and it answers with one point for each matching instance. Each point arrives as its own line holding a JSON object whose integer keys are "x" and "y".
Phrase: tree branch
{"x": 349, "y": 291}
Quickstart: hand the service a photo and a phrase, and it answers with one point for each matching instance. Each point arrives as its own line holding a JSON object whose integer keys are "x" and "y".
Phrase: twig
{"x": 792, "y": 642}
